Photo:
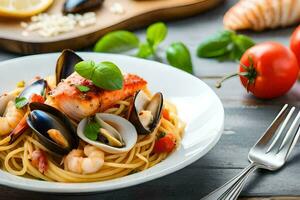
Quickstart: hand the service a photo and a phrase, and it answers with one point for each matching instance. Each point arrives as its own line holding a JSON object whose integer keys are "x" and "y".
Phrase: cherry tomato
{"x": 295, "y": 43}
{"x": 165, "y": 143}
{"x": 268, "y": 70}
{"x": 37, "y": 98}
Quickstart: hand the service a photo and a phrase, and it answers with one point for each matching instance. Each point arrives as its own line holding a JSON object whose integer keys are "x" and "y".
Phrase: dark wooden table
{"x": 245, "y": 120}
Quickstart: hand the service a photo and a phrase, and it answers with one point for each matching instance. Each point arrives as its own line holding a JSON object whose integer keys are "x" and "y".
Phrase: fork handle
{"x": 235, "y": 191}
{"x": 232, "y": 188}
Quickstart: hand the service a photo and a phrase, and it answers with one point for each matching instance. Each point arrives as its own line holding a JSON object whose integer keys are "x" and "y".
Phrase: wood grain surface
{"x": 245, "y": 120}
{"x": 137, "y": 14}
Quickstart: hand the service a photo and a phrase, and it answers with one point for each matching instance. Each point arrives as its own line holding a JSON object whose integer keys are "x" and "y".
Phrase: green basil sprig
{"x": 225, "y": 45}
{"x": 105, "y": 75}
{"x": 120, "y": 41}
{"x": 179, "y": 56}
{"x": 92, "y": 129}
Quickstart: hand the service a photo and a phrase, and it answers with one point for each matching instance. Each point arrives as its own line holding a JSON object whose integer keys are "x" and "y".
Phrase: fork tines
{"x": 283, "y": 139}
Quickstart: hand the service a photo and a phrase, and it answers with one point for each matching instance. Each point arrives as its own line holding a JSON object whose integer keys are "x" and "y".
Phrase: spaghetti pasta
{"x": 16, "y": 157}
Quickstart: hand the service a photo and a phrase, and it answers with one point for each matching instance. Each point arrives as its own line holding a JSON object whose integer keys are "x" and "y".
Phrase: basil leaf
{"x": 216, "y": 45}
{"x": 91, "y": 130}
{"x": 108, "y": 76}
{"x": 145, "y": 50}
{"x": 226, "y": 45}
{"x": 85, "y": 69}
{"x": 212, "y": 49}
{"x": 82, "y": 88}
{"x": 242, "y": 43}
{"x": 156, "y": 33}
{"x": 117, "y": 41}
{"x": 20, "y": 102}
{"x": 179, "y": 56}
{"x": 105, "y": 75}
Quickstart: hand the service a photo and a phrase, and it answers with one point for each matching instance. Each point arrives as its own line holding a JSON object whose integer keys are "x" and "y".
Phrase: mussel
{"x": 78, "y": 6}
{"x": 145, "y": 113}
{"x": 65, "y": 64}
{"x": 38, "y": 87}
{"x": 53, "y": 128}
{"x": 115, "y": 134}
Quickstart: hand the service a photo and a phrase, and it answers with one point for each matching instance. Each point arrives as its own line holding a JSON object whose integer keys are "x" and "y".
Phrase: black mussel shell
{"x": 78, "y": 6}
{"x": 65, "y": 64}
{"x": 155, "y": 105}
{"x": 38, "y": 87}
{"x": 44, "y": 117}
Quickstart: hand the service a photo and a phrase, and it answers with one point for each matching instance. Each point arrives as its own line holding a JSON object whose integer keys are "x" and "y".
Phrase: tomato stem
{"x": 219, "y": 83}
{"x": 249, "y": 73}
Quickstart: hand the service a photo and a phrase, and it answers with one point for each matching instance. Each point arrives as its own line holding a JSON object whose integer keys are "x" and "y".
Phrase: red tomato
{"x": 37, "y": 98}
{"x": 166, "y": 114}
{"x": 268, "y": 70}
{"x": 166, "y": 143}
{"x": 295, "y": 43}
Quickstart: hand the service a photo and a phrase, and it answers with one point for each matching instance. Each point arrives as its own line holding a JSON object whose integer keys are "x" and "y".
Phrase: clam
{"x": 65, "y": 64}
{"x": 53, "y": 128}
{"x": 145, "y": 113}
{"x": 77, "y": 6}
{"x": 115, "y": 134}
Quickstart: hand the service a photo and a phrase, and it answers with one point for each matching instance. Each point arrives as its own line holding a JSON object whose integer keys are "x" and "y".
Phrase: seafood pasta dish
{"x": 88, "y": 122}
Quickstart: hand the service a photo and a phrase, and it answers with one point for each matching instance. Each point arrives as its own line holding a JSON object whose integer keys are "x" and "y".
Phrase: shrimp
{"x": 39, "y": 160}
{"x": 76, "y": 162}
{"x": 77, "y": 104}
{"x": 6, "y": 97}
{"x": 11, "y": 118}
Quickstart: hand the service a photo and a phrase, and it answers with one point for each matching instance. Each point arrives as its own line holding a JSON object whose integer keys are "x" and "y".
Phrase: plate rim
{"x": 136, "y": 181}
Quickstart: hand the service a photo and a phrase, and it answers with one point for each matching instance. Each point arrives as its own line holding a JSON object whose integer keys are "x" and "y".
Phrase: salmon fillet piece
{"x": 78, "y": 105}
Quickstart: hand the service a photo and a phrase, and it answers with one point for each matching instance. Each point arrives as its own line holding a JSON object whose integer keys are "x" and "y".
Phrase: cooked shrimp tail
{"x": 19, "y": 129}
{"x": 11, "y": 118}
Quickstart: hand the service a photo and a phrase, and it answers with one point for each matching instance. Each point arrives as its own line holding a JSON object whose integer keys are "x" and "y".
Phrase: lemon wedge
{"x": 23, "y": 8}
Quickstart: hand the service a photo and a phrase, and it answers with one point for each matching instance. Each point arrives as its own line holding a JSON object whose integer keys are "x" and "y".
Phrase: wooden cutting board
{"x": 137, "y": 14}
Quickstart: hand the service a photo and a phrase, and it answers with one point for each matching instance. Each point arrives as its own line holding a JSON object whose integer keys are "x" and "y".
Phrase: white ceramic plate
{"x": 197, "y": 105}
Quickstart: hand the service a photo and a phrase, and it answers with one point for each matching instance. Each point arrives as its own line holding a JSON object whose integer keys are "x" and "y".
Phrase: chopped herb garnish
{"x": 21, "y": 102}
{"x": 91, "y": 130}
{"x": 83, "y": 88}
{"x": 161, "y": 135}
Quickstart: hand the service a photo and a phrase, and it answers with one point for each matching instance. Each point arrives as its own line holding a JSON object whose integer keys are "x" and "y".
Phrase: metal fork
{"x": 267, "y": 153}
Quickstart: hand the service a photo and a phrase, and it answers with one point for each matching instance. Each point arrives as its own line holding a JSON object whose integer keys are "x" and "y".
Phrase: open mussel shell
{"x": 38, "y": 87}
{"x": 119, "y": 128}
{"x": 78, "y": 6}
{"x": 65, "y": 64}
{"x": 43, "y": 118}
{"x": 142, "y": 103}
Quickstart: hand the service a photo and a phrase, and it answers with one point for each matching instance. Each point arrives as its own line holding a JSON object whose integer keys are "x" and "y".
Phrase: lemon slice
{"x": 23, "y": 8}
